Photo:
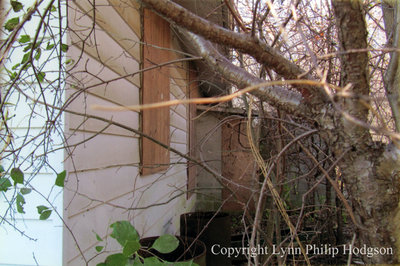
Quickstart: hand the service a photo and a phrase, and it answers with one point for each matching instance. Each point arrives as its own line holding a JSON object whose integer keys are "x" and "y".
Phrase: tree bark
{"x": 371, "y": 181}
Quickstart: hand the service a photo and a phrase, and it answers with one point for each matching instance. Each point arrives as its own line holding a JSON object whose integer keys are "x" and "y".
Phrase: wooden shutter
{"x": 155, "y": 88}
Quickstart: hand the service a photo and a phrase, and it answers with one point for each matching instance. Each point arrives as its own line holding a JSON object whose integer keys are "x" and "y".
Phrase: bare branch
{"x": 245, "y": 43}
{"x": 275, "y": 95}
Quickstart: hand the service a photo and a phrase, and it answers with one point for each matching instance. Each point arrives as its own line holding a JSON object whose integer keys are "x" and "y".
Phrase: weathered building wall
{"x": 208, "y": 151}
{"x": 222, "y": 144}
{"x": 238, "y": 165}
{"x": 103, "y": 161}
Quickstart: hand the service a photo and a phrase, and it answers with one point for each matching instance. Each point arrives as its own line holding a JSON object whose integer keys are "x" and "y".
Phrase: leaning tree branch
{"x": 277, "y": 96}
{"x": 251, "y": 45}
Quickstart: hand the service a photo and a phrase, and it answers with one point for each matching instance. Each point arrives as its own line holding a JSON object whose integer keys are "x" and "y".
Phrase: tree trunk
{"x": 370, "y": 179}
{"x": 374, "y": 196}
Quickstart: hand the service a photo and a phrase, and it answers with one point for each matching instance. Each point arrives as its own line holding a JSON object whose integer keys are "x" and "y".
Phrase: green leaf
{"x": 11, "y": 24}
{"x": 24, "y": 39}
{"x": 166, "y": 244}
{"x": 26, "y": 57}
{"x": 4, "y": 184}
{"x": 130, "y": 248}
{"x": 123, "y": 231}
{"x": 53, "y": 9}
{"x": 38, "y": 53}
{"x": 40, "y": 76}
{"x": 27, "y": 66}
{"x": 41, "y": 208}
{"x": 136, "y": 261}
{"x": 116, "y": 260}
{"x": 69, "y": 61}
{"x": 17, "y": 175}
{"x": 49, "y": 46}
{"x": 28, "y": 47}
{"x": 13, "y": 75}
{"x": 152, "y": 261}
{"x": 99, "y": 248}
{"x": 1, "y": 169}
{"x": 20, "y": 203}
{"x": 64, "y": 47}
{"x": 98, "y": 237}
{"x": 60, "y": 179}
{"x": 45, "y": 215}
{"x": 25, "y": 190}
{"x": 16, "y": 6}
{"x": 38, "y": 43}
{"x": 44, "y": 212}
{"x": 15, "y": 66}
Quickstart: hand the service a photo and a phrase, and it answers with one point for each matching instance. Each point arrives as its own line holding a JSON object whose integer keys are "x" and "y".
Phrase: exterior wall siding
{"x": 104, "y": 184}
